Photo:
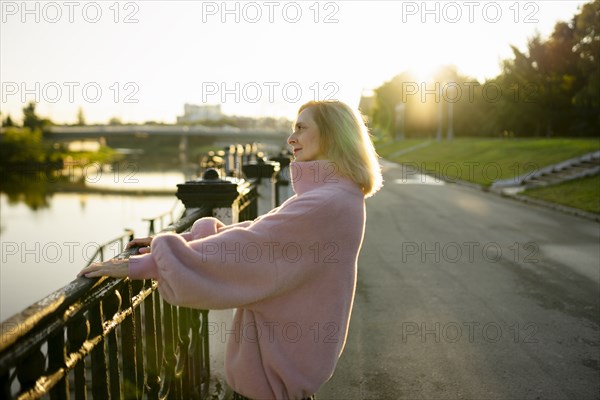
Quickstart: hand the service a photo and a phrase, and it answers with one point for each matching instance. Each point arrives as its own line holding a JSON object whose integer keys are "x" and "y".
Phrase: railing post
{"x": 56, "y": 360}
{"x": 283, "y": 179}
{"x": 30, "y": 368}
{"x": 151, "y": 337}
{"x": 220, "y": 195}
{"x": 264, "y": 169}
{"x": 239, "y": 160}
{"x": 110, "y": 306}
{"x": 78, "y": 331}
{"x": 230, "y": 159}
{"x": 99, "y": 368}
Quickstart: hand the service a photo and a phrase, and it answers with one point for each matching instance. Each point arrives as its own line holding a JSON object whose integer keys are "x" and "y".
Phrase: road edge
{"x": 517, "y": 197}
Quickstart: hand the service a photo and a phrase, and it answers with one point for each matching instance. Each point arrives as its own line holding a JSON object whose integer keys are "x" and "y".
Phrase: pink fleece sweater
{"x": 290, "y": 273}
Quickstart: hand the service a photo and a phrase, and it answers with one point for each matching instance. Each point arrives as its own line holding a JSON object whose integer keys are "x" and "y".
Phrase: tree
{"x": 115, "y": 121}
{"x": 32, "y": 121}
{"x": 80, "y": 117}
{"x": 387, "y": 96}
{"x": 556, "y": 82}
{"x": 22, "y": 146}
{"x": 8, "y": 122}
{"x": 586, "y": 101}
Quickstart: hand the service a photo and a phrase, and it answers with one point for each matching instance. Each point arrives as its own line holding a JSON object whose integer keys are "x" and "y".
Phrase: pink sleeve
{"x": 208, "y": 226}
{"x": 142, "y": 267}
{"x": 240, "y": 265}
{"x": 202, "y": 228}
{"x": 210, "y": 273}
{"x": 244, "y": 224}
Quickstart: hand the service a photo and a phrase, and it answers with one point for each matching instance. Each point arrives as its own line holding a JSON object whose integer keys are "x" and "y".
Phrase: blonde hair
{"x": 345, "y": 141}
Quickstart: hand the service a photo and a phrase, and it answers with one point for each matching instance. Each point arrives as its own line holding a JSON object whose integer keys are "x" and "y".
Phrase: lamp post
{"x": 440, "y": 115}
{"x": 450, "y": 127}
{"x": 399, "y": 110}
{"x": 450, "y": 132}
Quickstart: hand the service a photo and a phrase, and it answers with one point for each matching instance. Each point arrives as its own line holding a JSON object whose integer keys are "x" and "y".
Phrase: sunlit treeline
{"x": 551, "y": 89}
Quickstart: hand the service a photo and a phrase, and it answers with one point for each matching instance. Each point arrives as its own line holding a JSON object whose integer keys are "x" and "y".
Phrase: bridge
{"x": 225, "y": 134}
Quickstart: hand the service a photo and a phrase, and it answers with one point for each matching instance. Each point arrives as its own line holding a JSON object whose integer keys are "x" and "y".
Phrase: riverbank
{"x": 483, "y": 161}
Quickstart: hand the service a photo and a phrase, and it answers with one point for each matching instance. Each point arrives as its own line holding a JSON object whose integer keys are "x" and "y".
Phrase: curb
{"x": 524, "y": 199}
{"x": 558, "y": 207}
{"x": 530, "y": 200}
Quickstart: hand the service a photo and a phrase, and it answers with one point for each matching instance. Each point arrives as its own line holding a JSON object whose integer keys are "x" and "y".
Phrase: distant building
{"x": 195, "y": 113}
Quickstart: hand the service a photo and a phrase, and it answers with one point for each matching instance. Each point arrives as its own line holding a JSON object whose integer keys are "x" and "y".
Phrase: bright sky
{"x": 142, "y": 60}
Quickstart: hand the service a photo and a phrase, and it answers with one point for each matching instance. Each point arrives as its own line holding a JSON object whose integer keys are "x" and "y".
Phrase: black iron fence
{"x": 158, "y": 222}
{"x": 117, "y": 338}
{"x": 120, "y": 241}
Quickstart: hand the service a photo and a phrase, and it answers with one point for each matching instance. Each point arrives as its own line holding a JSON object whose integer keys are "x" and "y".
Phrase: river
{"x": 47, "y": 236}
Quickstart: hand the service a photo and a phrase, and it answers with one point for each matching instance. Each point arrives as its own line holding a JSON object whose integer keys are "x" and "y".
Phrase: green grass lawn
{"x": 483, "y": 161}
{"x": 581, "y": 193}
{"x": 384, "y": 149}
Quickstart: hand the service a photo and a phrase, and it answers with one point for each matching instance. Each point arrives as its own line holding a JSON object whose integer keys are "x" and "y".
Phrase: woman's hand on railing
{"x": 142, "y": 243}
{"x": 116, "y": 267}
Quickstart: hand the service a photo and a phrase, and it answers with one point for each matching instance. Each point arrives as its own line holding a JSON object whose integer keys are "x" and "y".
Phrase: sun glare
{"x": 425, "y": 72}
{"x": 424, "y": 67}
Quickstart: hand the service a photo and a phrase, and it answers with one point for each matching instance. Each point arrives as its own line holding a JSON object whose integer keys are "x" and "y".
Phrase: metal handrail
{"x": 119, "y": 239}
{"x": 88, "y": 313}
{"x": 160, "y": 217}
{"x": 73, "y": 291}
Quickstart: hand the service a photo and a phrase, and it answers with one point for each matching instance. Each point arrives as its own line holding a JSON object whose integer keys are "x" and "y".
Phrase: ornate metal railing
{"x": 117, "y": 338}
{"x": 117, "y": 334}
{"x": 158, "y": 222}
{"x": 100, "y": 253}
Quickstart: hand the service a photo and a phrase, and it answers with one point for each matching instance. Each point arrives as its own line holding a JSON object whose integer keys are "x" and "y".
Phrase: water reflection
{"x": 43, "y": 250}
{"x": 36, "y": 188}
{"x": 52, "y": 222}
{"x": 32, "y": 189}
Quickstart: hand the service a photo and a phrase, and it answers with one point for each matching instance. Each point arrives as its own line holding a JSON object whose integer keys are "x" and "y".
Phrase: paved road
{"x": 466, "y": 295}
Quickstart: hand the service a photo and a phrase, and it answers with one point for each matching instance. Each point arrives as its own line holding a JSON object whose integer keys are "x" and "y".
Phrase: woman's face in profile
{"x": 305, "y": 139}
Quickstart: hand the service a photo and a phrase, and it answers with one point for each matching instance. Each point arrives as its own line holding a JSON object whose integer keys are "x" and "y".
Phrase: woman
{"x": 290, "y": 273}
